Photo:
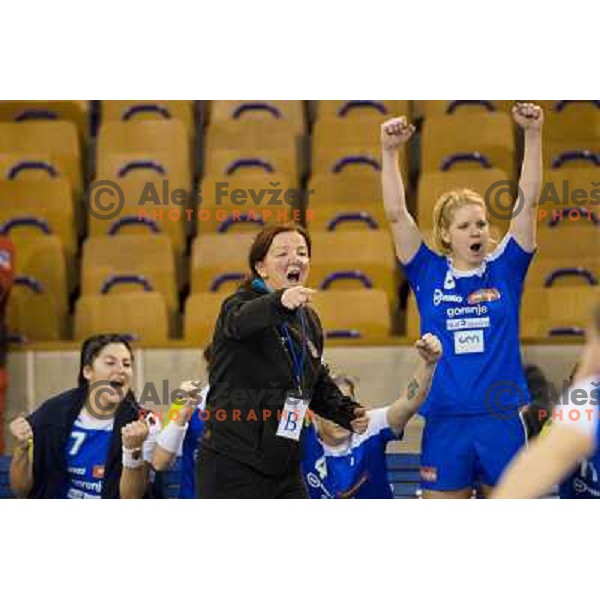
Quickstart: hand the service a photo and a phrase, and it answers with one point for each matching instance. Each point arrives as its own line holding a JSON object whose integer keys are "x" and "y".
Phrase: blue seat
{"x": 5, "y": 491}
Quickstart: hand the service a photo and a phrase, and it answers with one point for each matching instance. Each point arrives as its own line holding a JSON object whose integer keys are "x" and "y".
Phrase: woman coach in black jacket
{"x": 266, "y": 353}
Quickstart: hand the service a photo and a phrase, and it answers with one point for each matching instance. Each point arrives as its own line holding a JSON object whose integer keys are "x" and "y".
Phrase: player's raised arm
{"x": 429, "y": 348}
{"x": 407, "y": 238}
{"x": 530, "y": 119}
{"x": 21, "y": 469}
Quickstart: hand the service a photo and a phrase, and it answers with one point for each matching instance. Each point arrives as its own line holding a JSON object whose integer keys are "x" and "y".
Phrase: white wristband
{"x": 171, "y": 437}
{"x": 132, "y": 458}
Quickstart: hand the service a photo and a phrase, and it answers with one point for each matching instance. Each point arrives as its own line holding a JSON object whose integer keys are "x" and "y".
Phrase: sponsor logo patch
{"x": 484, "y": 295}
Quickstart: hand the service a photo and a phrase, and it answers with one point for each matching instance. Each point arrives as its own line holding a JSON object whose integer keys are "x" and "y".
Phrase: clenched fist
{"x": 21, "y": 430}
{"x": 528, "y": 116}
{"x": 134, "y": 434}
{"x": 396, "y": 132}
{"x": 297, "y": 296}
{"x": 429, "y": 348}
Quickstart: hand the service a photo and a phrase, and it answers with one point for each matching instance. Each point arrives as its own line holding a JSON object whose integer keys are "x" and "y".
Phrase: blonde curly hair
{"x": 443, "y": 214}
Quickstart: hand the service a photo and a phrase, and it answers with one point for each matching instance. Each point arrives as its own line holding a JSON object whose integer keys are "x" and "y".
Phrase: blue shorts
{"x": 461, "y": 451}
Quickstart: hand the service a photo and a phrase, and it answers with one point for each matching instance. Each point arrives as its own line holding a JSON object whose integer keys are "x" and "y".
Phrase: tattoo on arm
{"x": 412, "y": 390}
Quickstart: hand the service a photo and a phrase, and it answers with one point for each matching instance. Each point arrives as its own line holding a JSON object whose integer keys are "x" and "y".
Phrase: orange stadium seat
{"x": 150, "y": 204}
{"x": 436, "y": 108}
{"x": 41, "y": 150}
{"x": 384, "y": 109}
{"x": 354, "y": 314}
{"x": 290, "y": 111}
{"x": 201, "y": 312}
{"x": 134, "y": 110}
{"x": 32, "y": 314}
{"x": 76, "y": 111}
{"x": 164, "y": 141}
{"x": 464, "y": 140}
{"x": 220, "y": 262}
{"x": 224, "y": 203}
{"x": 355, "y": 260}
{"x": 120, "y": 263}
{"x": 142, "y": 315}
{"x": 349, "y": 201}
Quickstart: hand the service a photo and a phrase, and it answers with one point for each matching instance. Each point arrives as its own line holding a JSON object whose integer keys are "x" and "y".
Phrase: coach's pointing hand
{"x": 297, "y": 296}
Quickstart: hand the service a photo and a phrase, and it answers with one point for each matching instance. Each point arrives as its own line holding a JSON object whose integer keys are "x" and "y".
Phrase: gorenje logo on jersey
{"x": 439, "y": 297}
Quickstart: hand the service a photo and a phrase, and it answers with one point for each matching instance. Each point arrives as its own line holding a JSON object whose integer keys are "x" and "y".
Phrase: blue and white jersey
{"x": 86, "y": 454}
{"x": 584, "y": 482}
{"x": 475, "y": 314}
{"x": 356, "y": 469}
{"x": 190, "y": 449}
{"x": 87, "y": 450}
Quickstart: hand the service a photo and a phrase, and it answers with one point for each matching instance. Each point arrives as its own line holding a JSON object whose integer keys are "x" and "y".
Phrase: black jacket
{"x": 52, "y": 423}
{"x": 251, "y": 371}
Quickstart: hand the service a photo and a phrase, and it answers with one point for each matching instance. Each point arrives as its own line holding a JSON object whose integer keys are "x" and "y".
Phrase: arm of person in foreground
{"x": 429, "y": 348}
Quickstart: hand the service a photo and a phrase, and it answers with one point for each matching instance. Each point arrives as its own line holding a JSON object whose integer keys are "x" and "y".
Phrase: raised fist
{"x": 429, "y": 348}
{"x": 21, "y": 430}
{"x": 395, "y": 133}
{"x": 528, "y": 116}
{"x": 134, "y": 434}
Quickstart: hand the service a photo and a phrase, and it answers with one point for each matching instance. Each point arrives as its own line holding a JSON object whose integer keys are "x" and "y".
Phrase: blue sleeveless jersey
{"x": 357, "y": 470}
{"x": 86, "y": 453}
{"x": 476, "y": 316}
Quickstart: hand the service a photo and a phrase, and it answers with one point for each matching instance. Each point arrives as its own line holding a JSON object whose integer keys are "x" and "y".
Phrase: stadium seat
{"x": 201, "y": 312}
{"x": 349, "y": 201}
{"x": 354, "y": 314}
{"x": 557, "y": 311}
{"x": 137, "y": 261}
{"x": 436, "y": 108}
{"x": 139, "y": 110}
{"x": 225, "y": 202}
{"x": 463, "y": 141}
{"x": 278, "y": 163}
{"x": 568, "y": 240}
{"x": 150, "y": 203}
{"x": 355, "y": 260}
{"x": 351, "y": 109}
{"x": 290, "y": 111}
{"x": 40, "y": 150}
{"x": 76, "y": 111}
{"x": 165, "y": 141}
{"x": 583, "y": 270}
{"x": 41, "y": 258}
{"x": 50, "y": 201}
{"x": 567, "y": 188}
{"x": 220, "y": 262}
{"x": 32, "y": 315}
{"x": 141, "y": 315}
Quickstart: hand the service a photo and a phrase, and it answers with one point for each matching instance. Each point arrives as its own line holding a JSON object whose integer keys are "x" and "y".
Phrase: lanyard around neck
{"x": 298, "y": 361}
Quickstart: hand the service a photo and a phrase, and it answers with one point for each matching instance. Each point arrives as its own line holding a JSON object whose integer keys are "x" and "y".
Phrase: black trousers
{"x": 219, "y": 476}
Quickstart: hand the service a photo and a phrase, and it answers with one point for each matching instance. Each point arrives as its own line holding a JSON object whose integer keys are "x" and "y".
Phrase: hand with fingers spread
{"x": 528, "y": 116}
{"x": 134, "y": 435}
{"x": 21, "y": 430}
{"x": 429, "y": 348}
{"x": 297, "y": 296}
{"x": 395, "y": 133}
{"x": 361, "y": 420}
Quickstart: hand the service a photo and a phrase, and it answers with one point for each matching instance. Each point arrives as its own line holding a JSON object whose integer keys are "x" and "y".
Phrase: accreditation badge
{"x": 292, "y": 417}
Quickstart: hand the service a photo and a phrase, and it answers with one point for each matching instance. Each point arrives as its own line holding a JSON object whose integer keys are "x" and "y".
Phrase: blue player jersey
{"x": 190, "y": 449}
{"x": 189, "y": 456}
{"x": 584, "y": 482}
{"x": 86, "y": 453}
{"x": 355, "y": 470}
{"x": 475, "y": 314}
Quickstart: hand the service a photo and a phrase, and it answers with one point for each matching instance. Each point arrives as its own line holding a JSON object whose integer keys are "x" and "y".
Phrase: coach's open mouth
{"x": 293, "y": 275}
